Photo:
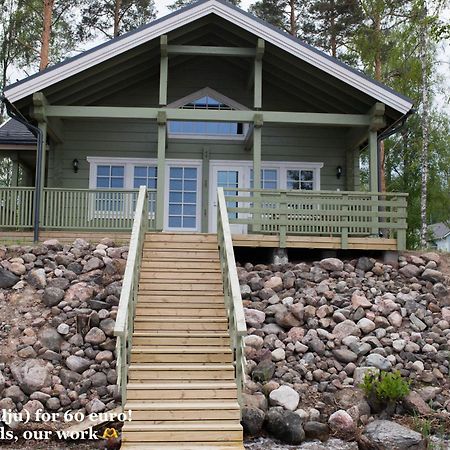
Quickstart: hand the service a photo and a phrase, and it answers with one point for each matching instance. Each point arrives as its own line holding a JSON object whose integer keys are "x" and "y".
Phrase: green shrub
{"x": 385, "y": 387}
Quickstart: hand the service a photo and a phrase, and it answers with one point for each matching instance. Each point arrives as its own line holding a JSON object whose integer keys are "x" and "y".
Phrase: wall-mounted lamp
{"x": 338, "y": 172}
{"x": 75, "y": 165}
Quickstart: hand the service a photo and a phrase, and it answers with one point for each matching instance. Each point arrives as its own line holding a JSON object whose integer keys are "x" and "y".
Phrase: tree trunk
{"x": 46, "y": 34}
{"x": 425, "y": 126}
{"x": 293, "y": 19}
{"x": 333, "y": 39}
{"x": 117, "y": 8}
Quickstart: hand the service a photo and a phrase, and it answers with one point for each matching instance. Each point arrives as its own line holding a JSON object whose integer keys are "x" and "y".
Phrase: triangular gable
{"x": 189, "y": 14}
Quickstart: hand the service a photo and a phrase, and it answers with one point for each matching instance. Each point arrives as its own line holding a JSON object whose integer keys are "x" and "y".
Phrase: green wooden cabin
{"x": 207, "y": 96}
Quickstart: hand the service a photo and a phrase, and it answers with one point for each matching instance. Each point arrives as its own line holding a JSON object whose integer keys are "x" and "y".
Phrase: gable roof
{"x": 14, "y": 133}
{"x": 440, "y": 230}
{"x": 189, "y": 14}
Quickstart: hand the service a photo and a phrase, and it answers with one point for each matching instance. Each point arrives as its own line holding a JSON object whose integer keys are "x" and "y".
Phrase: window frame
{"x": 207, "y": 91}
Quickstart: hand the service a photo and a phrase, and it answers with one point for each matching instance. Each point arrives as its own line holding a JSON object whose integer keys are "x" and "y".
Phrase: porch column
{"x": 205, "y": 190}
{"x": 161, "y": 175}
{"x": 257, "y": 132}
{"x": 15, "y": 170}
{"x": 373, "y": 161}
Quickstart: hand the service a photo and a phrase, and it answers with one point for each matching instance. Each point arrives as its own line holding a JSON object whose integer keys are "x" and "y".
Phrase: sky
{"x": 161, "y": 5}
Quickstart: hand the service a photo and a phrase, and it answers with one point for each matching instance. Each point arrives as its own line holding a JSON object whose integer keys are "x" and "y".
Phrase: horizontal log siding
{"x": 138, "y": 139}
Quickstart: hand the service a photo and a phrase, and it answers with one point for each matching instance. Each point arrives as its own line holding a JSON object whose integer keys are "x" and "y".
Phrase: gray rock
{"x": 388, "y": 435}
{"x": 77, "y": 363}
{"x": 95, "y": 406}
{"x": 7, "y": 279}
{"x": 365, "y": 264}
{"x": 346, "y": 328}
{"x": 53, "y": 404}
{"x": 254, "y": 318}
{"x": 63, "y": 329}
{"x": 95, "y": 336}
{"x": 264, "y": 371}
{"x": 316, "y": 430}
{"x": 107, "y": 326}
{"x": 50, "y": 338}
{"x": 60, "y": 283}
{"x": 344, "y": 355}
{"x": 331, "y": 264}
{"x": 286, "y": 397}
{"x": 52, "y": 296}
{"x": 366, "y": 325}
{"x": 37, "y": 278}
{"x": 285, "y": 426}
{"x": 31, "y": 375}
{"x": 32, "y": 407}
{"x": 99, "y": 379}
{"x": 378, "y": 361}
{"x": 68, "y": 376}
{"x": 410, "y": 271}
{"x": 14, "y": 393}
{"x": 433, "y": 275}
{"x": 342, "y": 423}
{"x": 252, "y": 420}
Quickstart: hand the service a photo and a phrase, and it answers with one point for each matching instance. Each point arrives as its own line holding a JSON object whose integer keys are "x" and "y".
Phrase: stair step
{"x": 180, "y": 312}
{"x": 181, "y": 354}
{"x": 164, "y": 341}
{"x": 177, "y": 265}
{"x": 180, "y": 286}
{"x": 181, "y": 305}
{"x": 152, "y": 275}
{"x": 169, "y": 324}
{"x": 177, "y": 372}
{"x": 182, "y": 391}
{"x": 174, "y": 334}
{"x": 181, "y": 405}
{"x": 188, "y": 436}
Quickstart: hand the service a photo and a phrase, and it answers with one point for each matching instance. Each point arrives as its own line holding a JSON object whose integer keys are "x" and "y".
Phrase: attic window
{"x": 207, "y": 99}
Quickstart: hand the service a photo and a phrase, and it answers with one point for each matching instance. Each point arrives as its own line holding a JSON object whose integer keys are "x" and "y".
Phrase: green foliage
{"x": 386, "y": 387}
{"x": 110, "y": 18}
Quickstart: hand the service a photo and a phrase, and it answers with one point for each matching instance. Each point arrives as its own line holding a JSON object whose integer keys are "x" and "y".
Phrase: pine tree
{"x": 112, "y": 18}
{"x": 330, "y": 24}
{"x": 284, "y": 14}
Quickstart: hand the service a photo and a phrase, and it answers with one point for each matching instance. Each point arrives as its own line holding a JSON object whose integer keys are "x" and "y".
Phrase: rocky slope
{"x": 57, "y": 309}
{"x": 315, "y": 329}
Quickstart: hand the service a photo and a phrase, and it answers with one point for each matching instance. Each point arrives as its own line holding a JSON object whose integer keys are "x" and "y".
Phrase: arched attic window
{"x": 207, "y": 99}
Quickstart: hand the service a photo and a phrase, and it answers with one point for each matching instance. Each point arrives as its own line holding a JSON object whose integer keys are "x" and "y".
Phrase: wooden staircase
{"x": 181, "y": 387}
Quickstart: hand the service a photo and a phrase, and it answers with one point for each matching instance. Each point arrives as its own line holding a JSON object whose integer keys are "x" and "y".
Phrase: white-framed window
{"x": 269, "y": 178}
{"x": 207, "y": 99}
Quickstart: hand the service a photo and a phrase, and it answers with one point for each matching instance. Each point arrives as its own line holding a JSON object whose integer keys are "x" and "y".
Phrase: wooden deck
{"x": 26, "y": 237}
{"x": 181, "y": 379}
{"x": 313, "y": 242}
{"x": 239, "y": 240}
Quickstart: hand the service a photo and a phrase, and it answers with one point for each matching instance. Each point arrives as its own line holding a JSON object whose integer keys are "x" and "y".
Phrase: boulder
{"x": 77, "y": 363}
{"x": 252, "y": 420}
{"x": 410, "y": 271}
{"x": 286, "y": 397}
{"x": 433, "y": 275}
{"x": 341, "y": 422}
{"x": 32, "y": 407}
{"x": 274, "y": 283}
{"x": 316, "y": 430}
{"x": 37, "y": 278}
{"x": 254, "y": 318}
{"x": 415, "y": 404}
{"x": 378, "y": 361}
{"x": 388, "y": 435}
{"x": 285, "y": 426}
{"x": 95, "y": 336}
{"x": 365, "y": 264}
{"x": 50, "y": 338}
{"x": 331, "y": 264}
{"x": 264, "y": 371}
{"x": 95, "y": 406}
{"x": 52, "y": 296}
{"x": 7, "y": 279}
{"x": 346, "y": 328}
{"x": 31, "y": 375}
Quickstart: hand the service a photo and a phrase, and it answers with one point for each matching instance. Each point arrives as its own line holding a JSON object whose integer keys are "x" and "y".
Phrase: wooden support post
{"x": 164, "y": 70}
{"x": 15, "y": 170}
{"x": 257, "y": 152}
{"x": 373, "y": 177}
{"x": 205, "y": 189}
{"x": 160, "y": 183}
{"x": 258, "y": 75}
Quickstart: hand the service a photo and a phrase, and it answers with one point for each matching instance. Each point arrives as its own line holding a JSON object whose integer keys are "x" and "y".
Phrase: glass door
{"x": 226, "y": 176}
{"x": 183, "y": 193}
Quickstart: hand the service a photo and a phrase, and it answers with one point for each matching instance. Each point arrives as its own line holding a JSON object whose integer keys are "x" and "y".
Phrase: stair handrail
{"x": 123, "y": 328}
{"x": 232, "y": 291}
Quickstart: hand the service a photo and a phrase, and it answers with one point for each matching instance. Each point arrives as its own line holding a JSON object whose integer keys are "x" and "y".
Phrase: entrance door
{"x": 182, "y": 212}
{"x": 226, "y": 176}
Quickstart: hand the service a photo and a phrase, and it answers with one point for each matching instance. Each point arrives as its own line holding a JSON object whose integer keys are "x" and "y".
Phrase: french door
{"x": 226, "y": 175}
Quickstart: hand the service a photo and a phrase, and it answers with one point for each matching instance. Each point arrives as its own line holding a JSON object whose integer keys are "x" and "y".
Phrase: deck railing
{"x": 128, "y": 298}
{"x": 341, "y": 214}
{"x": 16, "y": 207}
{"x": 74, "y": 209}
{"x": 232, "y": 292}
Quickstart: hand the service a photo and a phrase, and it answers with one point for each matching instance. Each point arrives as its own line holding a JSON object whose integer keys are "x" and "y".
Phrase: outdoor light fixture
{"x": 338, "y": 172}
{"x": 75, "y": 165}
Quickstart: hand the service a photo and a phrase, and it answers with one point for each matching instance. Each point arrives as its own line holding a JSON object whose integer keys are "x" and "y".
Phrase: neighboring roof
{"x": 189, "y": 14}
{"x": 14, "y": 133}
{"x": 440, "y": 230}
